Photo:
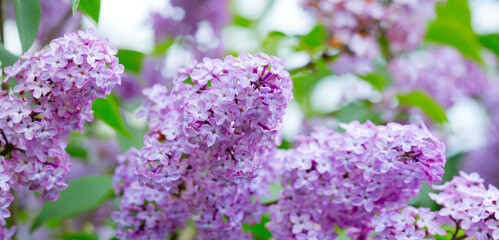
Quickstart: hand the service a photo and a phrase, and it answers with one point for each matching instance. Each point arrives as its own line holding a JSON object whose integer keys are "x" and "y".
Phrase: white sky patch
{"x": 251, "y": 9}
{"x": 289, "y": 17}
{"x": 126, "y": 23}
{"x": 12, "y": 42}
{"x": 237, "y": 38}
{"x": 485, "y": 16}
{"x": 292, "y": 121}
{"x": 333, "y": 92}
{"x": 468, "y": 123}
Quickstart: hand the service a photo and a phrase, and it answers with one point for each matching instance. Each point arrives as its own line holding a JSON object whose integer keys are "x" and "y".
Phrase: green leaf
{"x": 285, "y": 144}
{"x": 28, "y": 13}
{"x": 491, "y": 42}
{"x": 451, "y": 32}
{"x": 91, "y": 8}
{"x": 135, "y": 139}
{"x": 74, "y": 5}
{"x": 272, "y": 41}
{"x": 82, "y": 195}
{"x": 376, "y": 80}
{"x": 163, "y": 46}
{"x": 315, "y": 38}
{"x": 360, "y": 111}
{"x": 6, "y": 57}
{"x": 75, "y": 150}
{"x": 79, "y": 236}
{"x": 275, "y": 190}
{"x": 429, "y": 106}
{"x": 259, "y": 231}
{"x": 453, "y": 27}
{"x": 304, "y": 82}
{"x": 457, "y": 9}
{"x": 132, "y": 60}
{"x": 242, "y": 21}
{"x": 107, "y": 111}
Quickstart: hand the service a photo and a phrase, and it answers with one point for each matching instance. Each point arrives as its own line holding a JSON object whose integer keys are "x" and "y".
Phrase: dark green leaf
{"x": 315, "y": 38}
{"x": 79, "y": 236}
{"x": 107, "y": 111}
{"x": 7, "y": 58}
{"x": 132, "y": 60}
{"x": 82, "y": 195}
{"x": 91, "y": 8}
{"x": 259, "y": 231}
{"x": 28, "y": 13}
{"x": 429, "y": 106}
{"x": 74, "y": 5}
{"x": 491, "y": 42}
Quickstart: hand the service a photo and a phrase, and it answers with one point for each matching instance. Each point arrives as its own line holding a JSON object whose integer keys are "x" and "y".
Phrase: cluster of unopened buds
{"x": 54, "y": 93}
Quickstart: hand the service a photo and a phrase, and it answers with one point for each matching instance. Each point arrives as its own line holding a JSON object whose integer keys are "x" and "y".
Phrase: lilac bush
{"x": 54, "y": 94}
{"x": 205, "y": 154}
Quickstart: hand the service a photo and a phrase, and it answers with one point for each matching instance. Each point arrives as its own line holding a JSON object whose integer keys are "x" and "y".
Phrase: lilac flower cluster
{"x": 54, "y": 93}
{"x": 466, "y": 204}
{"x": 187, "y": 17}
{"x": 356, "y": 26}
{"x": 438, "y": 70}
{"x": 207, "y": 142}
{"x": 408, "y": 223}
{"x": 344, "y": 179}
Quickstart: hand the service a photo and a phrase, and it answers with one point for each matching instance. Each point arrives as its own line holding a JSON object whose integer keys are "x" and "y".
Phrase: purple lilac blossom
{"x": 466, "y": 204}
{"x": 344, "y": 179}
{"x": 54, "y": 93}
{"x": 442, "y": 72}
{"x": 206, "y": 145}
{"x": 355, "y": 27}
{"x": 185, "y": 17}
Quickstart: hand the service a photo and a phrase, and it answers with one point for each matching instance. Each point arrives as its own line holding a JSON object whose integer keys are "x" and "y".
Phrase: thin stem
{"x": 55, "y": 30}
{"x": 270, "y": 203}
{"x": 1, "y": 22}
{"x": 454, "y": 236}
{"x": 3, "y": 134}
{"x": 174, "y": 236}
